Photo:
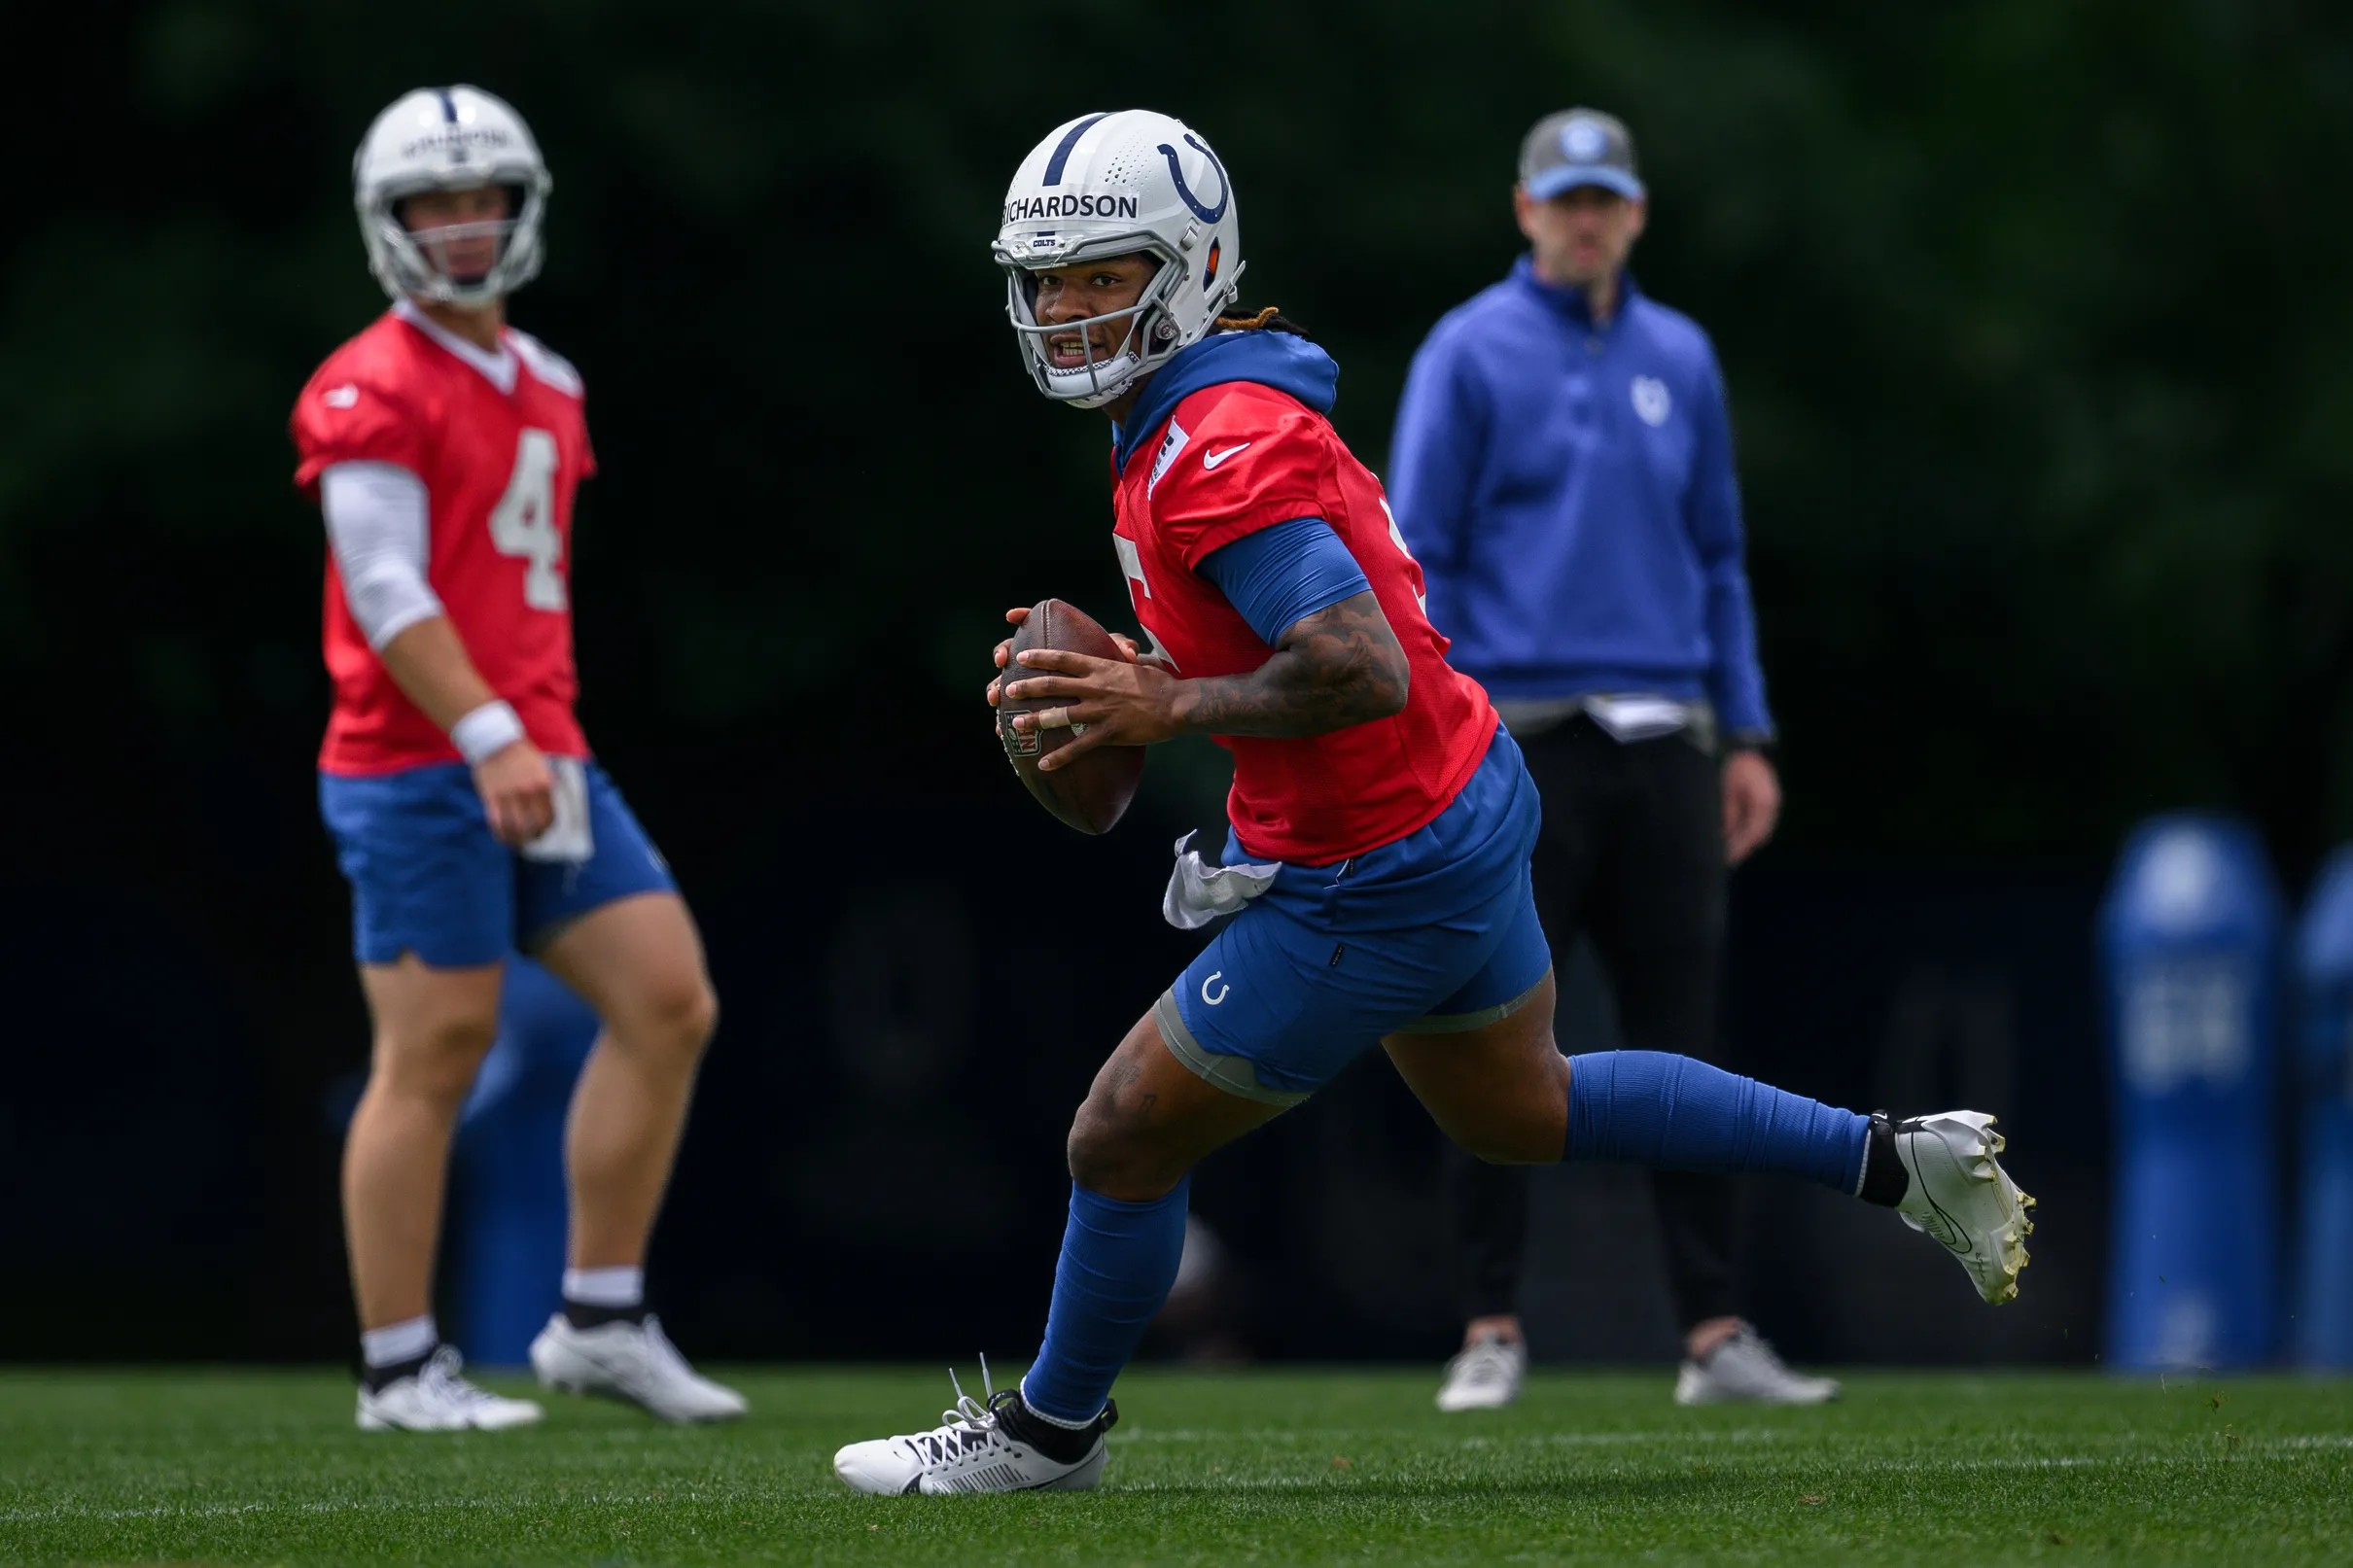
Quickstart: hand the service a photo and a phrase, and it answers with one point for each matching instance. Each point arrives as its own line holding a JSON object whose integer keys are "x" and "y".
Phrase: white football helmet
{"x": 1109, "y": 184}
{"x": 449, "y": 139}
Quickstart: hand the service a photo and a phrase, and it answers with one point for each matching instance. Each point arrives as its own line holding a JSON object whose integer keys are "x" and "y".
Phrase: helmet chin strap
{"x": 1095, "y": 383}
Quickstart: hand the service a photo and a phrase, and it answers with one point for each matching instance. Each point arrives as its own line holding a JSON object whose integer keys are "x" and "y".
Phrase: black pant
{"x": 1631, "y": 855}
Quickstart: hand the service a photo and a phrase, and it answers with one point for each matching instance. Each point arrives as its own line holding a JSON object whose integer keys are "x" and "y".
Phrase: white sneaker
{"x": 1746, "y": 1370}
{"x": 436, "y": 1398}
{"x": 978, "y": 1447}
{"x": 1962, "y": 1196}
{"x": 1486, "y": 1376}
{"x": 634, "y": 1362}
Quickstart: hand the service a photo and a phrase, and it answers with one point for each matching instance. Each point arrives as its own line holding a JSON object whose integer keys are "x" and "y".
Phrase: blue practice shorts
{"x": 1436, "y": 933}
{"x": 428, "y": 876}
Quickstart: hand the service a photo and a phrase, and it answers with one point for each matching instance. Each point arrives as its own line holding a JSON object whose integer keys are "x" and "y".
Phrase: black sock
{"x": 585, "y": 1316}
{"x": 1063, "y": 1445}
{"x": 379, "y": 1378}
{"x": 1885, "y": 1181}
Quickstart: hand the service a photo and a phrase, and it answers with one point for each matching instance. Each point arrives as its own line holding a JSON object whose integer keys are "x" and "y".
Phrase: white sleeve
{"x": 376, "y": 522}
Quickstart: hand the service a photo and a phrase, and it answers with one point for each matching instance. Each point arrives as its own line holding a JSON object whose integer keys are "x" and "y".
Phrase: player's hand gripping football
{"x": 518, "y": 792}
{"x": 1020, "y": 615}
{"x": 1016, "y": 616}
{"x": 1114, "y": 702}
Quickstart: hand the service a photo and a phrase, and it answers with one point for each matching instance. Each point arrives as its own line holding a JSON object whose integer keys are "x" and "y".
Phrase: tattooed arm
{"x": 1339, "y": 667}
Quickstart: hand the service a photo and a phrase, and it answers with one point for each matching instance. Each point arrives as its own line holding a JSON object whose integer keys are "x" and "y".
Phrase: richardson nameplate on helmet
{"x": 1056, "y": 205}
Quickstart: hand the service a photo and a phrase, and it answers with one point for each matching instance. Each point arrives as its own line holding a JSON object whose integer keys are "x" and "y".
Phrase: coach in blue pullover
{"x": 1563, "y": 471}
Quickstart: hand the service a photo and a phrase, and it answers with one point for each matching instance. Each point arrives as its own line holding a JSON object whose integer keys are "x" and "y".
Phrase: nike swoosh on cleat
{"x": 1936, "y": 1222}
{"x": 612, "y": 1369}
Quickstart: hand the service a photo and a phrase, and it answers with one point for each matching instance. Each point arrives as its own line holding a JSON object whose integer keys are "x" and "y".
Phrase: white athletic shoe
{"x": 1486, "y": 1376}
{"x": 978, "y": 1447}
{"x": 634, "y": 1362}
{"x": 438, "y": 1398}
{"x": 1961, "y": 1195}
{"x": 1747, "y": 1369}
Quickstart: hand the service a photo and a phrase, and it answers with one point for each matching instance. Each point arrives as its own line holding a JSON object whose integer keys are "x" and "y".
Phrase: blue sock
{"x": 1118, "y": 1260}
{"x": 1676, "y": 1113}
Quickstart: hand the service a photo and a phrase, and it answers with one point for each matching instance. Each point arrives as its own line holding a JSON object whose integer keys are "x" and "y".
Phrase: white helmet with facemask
{"x": 449, "y": 139}
{"x": 1109, "y": 185}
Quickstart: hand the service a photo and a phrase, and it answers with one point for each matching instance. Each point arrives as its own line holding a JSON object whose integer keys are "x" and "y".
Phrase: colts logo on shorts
{"x": 1652, "y": 400}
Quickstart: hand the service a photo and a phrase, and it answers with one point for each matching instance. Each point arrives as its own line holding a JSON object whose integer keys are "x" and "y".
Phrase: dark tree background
{"x": 2042, "y": 375}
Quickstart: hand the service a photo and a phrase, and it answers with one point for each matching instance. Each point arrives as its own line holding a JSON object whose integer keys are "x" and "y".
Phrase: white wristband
{"x": 486, "y": 731}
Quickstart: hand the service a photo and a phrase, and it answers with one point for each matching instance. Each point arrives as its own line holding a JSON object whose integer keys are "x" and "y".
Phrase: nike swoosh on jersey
{"x": 1209, "y": 460}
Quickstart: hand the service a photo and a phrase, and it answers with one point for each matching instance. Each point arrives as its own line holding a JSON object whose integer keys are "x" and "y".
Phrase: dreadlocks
{"x": 1269, "y": 319}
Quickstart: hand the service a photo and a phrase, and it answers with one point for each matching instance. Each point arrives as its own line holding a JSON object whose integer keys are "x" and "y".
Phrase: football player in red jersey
{"x": 444, "y": 447}
{"x": 1375, "y": 886}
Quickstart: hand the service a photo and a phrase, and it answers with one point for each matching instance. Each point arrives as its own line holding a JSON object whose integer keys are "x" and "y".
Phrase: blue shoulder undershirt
{"x": 1279, "y": 576}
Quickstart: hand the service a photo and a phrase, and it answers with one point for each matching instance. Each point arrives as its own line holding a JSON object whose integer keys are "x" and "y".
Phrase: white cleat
{"x": 1746, "y": 1370}
{"x": 1961, "y": 1195}
{"x": 438, "y": 1398}
{"x": 1486, "y": 1376}
{"x": 634, "y": 1362}
{"x": 974, "y": 1451}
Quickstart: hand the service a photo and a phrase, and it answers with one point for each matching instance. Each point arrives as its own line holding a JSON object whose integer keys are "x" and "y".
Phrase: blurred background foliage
{"x": 2042, "y": 382}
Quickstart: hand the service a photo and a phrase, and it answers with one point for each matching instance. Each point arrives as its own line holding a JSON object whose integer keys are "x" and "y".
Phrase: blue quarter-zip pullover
{"x": 1568, "y": 487}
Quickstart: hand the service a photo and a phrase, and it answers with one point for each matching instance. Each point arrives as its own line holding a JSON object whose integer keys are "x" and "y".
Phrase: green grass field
{"x": 1321, "y": 1466}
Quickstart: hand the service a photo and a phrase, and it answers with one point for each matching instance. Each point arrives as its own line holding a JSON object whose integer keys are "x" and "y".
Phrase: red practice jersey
{"x": 500, "y": 442}
{"x": 1238, "y": 457}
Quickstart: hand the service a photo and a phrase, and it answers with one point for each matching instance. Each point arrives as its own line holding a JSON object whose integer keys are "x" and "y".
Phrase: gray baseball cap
{"x": 1579, "y": 147}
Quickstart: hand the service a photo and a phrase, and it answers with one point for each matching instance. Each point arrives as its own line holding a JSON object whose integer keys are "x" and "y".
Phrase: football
{"x": 1093, "y": 793}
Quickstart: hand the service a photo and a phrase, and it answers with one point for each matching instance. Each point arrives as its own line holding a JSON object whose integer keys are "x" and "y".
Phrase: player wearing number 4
{"x": 1375, "y": 880}
{"x": 444, "y": 447}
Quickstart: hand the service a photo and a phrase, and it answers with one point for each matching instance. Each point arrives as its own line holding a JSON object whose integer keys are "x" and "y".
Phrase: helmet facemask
{"x": 406, "y": 260}
{"x": 1148, "y": 335}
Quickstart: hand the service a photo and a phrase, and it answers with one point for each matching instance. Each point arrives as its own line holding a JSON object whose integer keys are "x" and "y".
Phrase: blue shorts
{"x": 428, "y": 876}
{"x": 1435, "y": 934}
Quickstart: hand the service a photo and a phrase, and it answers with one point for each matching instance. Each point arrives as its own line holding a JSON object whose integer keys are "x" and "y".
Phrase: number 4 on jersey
{"x": 523, "y": 523}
